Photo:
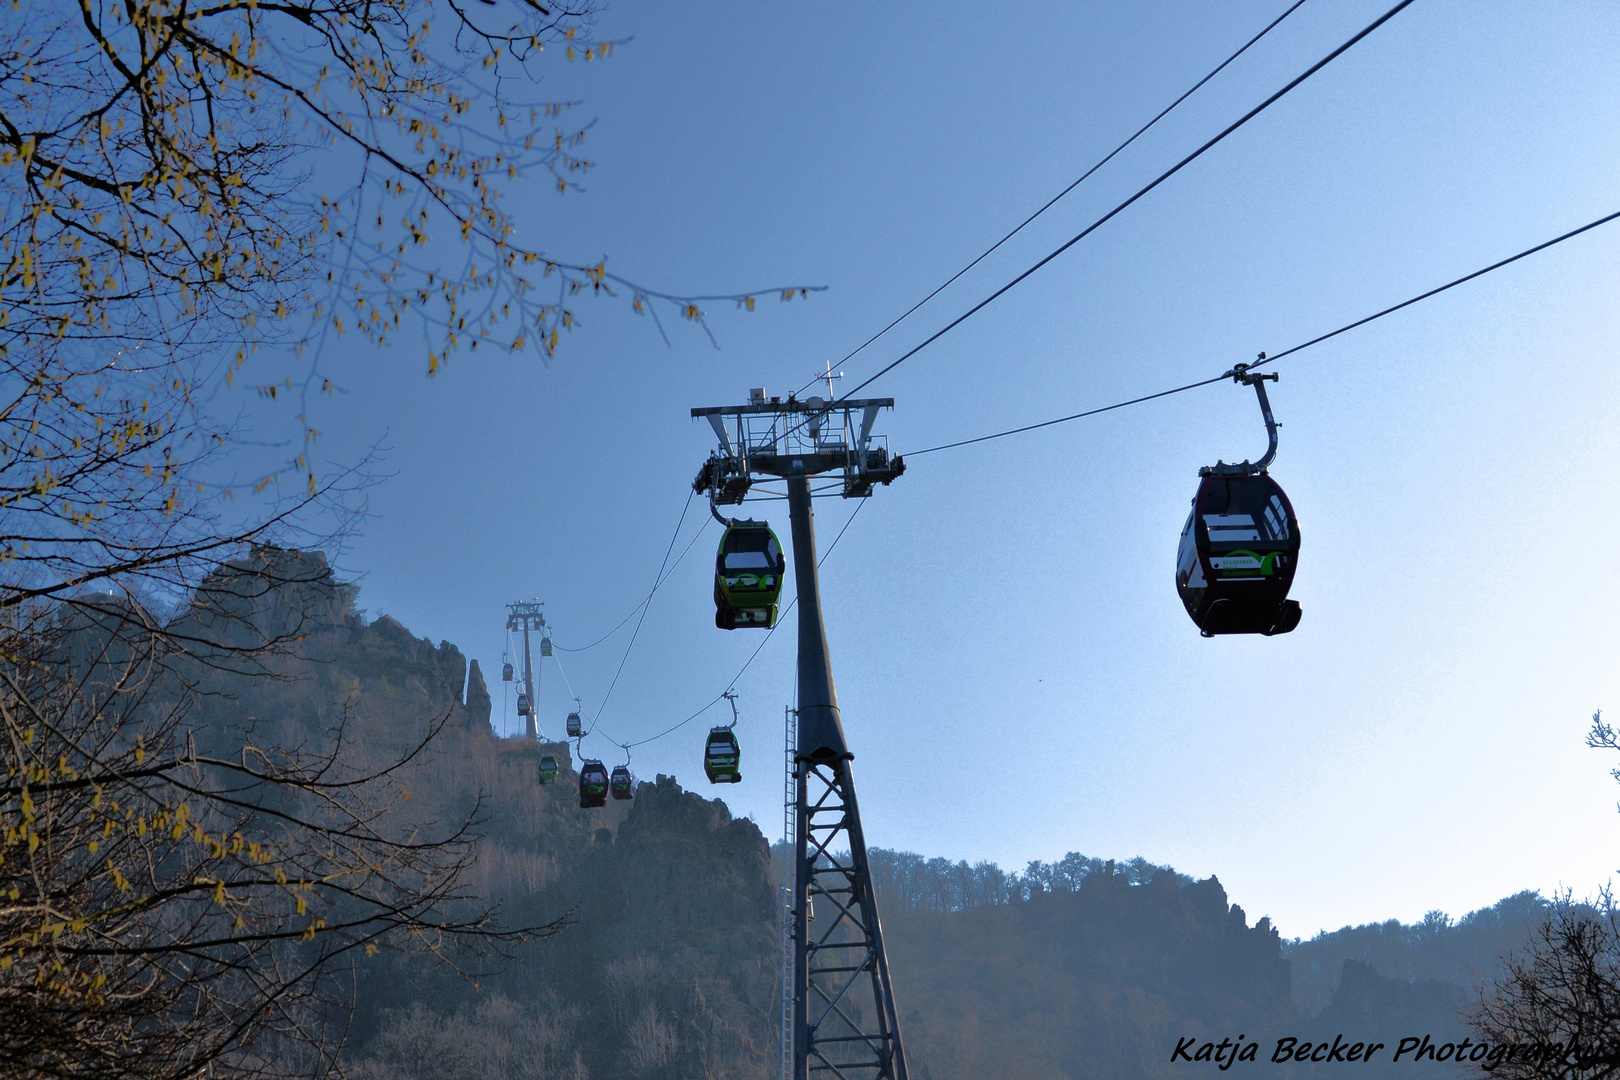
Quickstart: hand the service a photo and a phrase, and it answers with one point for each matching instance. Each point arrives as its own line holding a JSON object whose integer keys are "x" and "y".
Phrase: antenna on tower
{"x": 827, "y": 377}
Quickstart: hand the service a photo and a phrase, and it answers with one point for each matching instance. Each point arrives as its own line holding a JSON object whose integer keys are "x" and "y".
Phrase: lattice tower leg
{"x": 790, "y": 801}
{"x": 845, "y": 1020}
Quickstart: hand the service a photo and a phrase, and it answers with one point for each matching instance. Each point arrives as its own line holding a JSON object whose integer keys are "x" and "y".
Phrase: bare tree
{"x": 196, "y": 179}
{"x": 175, "y": 898}
{"x": 181, "y": 183}
{"x": 164, "y": 909}
{"x": 1554, "y": 1012}
{"x": 157, "y": 150}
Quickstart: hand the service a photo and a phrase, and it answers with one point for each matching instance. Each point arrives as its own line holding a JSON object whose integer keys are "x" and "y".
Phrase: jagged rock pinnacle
{"x": 478, "y": 699}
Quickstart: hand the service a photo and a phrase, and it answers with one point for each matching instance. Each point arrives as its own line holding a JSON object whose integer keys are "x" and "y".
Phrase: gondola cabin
{"x": 573, "y": 725}
{"x": 523, "y": 704}
{"x": 748, "y": 573}
{"x": 1238, "y": 554}
{"x": 622, "y": 784}
{"x": 545, "y": 645}
{"x": 548, "y": 769}
{"x": 593, "y": 784}
{"x": 506, "y": 673}
{"x": 722, "y": 757}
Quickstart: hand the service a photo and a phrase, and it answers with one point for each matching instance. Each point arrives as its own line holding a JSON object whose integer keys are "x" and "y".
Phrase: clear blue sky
{"x": 1017, "y": 676}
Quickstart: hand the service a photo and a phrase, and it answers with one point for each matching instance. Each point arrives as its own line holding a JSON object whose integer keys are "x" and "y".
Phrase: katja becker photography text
{"x": 1411, "y": 1048}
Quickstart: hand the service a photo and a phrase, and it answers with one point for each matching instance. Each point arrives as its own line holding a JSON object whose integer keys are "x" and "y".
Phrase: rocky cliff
{"x": 665, "y": 964}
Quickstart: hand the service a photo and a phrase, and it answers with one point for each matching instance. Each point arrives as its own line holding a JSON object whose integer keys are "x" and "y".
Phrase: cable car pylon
{"x": 526, "y": 615}
{"x": 844, "y": 1021}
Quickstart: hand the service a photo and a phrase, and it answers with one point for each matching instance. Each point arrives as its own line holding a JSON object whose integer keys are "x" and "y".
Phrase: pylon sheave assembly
{"x": 844, "y": 1022}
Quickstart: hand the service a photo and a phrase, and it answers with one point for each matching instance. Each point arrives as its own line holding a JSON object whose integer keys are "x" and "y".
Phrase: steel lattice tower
{"x": 526, "y": 615}
{"x": 843, "y": 1019}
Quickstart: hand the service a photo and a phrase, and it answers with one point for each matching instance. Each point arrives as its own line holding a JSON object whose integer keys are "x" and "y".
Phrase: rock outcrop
{"x": 658, "y": 951}
{"x": 479, "y": 704}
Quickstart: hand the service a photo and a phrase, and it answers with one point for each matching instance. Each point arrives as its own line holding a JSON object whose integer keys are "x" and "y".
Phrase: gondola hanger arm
{"x": 727, "y": 522}
{"x": 1240, "y": 373}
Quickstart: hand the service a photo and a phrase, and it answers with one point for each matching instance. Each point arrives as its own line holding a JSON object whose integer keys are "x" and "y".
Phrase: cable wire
{"x": 644, "y": 600}
{"x": 1073, "y": 416}
{"x": 1436, "y": 291}
{"x": 1054, "y": 200}
{"x": 1273, "y": 358}
{"x": 566, "y": 683}
{"x": 657, "y": 580}
{"x": 1161, "y": 178}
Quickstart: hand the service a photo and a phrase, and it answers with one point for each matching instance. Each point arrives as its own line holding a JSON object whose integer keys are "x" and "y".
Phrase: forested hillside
{"x": 665, "y": 963}
{"x": 1098, "y": 982}
{"x": 1460, "y": 952}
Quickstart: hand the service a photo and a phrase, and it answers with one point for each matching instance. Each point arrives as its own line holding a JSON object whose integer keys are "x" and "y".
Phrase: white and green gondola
{"x": 593, "y": 784}
{"x": 748, "y": 572}
{"x": 722, "y": 757}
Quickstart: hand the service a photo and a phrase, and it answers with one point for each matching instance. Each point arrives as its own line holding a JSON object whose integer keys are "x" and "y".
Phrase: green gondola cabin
{"x": 722, "y": 757}
{"x": 593, "y": 784}
{"x": 748, "y": 571}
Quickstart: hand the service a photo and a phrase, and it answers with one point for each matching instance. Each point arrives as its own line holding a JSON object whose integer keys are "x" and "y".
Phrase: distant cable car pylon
{"x": 844, "y": 1020}
{"x": 526, "y": 615}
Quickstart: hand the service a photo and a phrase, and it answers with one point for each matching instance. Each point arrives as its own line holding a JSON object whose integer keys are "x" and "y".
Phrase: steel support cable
{"x": 1073, "y": 416}
{"x": 631, "y": 644}
{"x": 1082, "y": 179}
{"x": 1436, "y": 291}
{"x": 695, "y": 538}
{"x": 566, "y": 683}
{"x": 648, "y": 598}
{"x": 1161, "y": 178}
{"x": 1273, "y": 358}
{"x": 751, "y": 656}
